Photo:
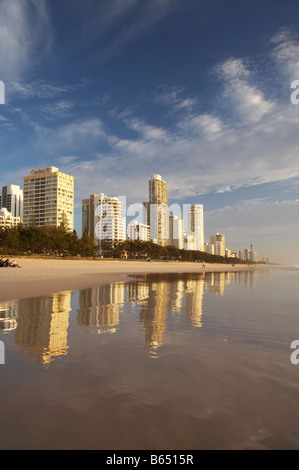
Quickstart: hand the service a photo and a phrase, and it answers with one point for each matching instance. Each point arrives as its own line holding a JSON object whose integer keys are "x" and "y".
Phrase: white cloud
{"x": 174, "y": 97}
{"x": 248, "y": 101}
{"x": 69, "y": 137}
{"x": 252, "y": 142}
{"x": 36, "y": 88}
{"x": 286, "y": 53}
{"x": 24, "y": 31}
{"x": 57, "y": 108}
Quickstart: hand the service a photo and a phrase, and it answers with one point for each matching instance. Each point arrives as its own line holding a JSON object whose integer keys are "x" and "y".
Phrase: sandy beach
{"x": 38, "y": 277}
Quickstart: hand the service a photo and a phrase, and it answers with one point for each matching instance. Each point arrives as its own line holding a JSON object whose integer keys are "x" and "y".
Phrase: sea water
{"x": 160, "y": 362}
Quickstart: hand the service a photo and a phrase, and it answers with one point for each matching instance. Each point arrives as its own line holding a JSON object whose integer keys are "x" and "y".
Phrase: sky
{"x": 198, "y": 91}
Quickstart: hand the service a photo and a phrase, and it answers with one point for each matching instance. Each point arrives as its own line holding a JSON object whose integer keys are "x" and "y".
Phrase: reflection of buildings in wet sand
{"x": 153, "y": 313}
{"x": 217, "y": 281}
{"x": 8, "y": 316}
{"x": 176, "y": 292}
{"x": 42, "y": 326}
{"x": 245, "y": 277}
{"x": 99, "y": 306}
{"x": 194, "y": 299}
{"x": 137, "y": 291}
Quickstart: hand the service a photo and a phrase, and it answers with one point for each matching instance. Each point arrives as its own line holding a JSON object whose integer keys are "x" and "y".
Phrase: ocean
{"x": 178, "y": 361}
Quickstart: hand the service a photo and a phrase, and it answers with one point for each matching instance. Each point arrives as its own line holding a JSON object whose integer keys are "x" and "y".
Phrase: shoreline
{"x": 39, "y": 277}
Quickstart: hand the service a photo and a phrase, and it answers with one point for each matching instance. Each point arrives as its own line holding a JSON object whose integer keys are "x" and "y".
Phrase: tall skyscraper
{"x": 109, "y": 225}
{"x": 176, "y": 231}
{"x": 48, "y": 198}
{"x": 11, "y": 197}
{"x": 158, "y": 211}
{"x": 218, "y": 240}
{"x": 88, "y": 215}
{"x": 195, "y": 227}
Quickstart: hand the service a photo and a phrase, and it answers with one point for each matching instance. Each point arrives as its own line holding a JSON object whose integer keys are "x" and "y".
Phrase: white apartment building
{"x": 159, "y": 224}
{"x": 7, "y": 220}
{"x": 189, "y": 242}
{"x": 157, "y": 211}
{"x": 176, "y": 231}
{"x": 138, "y": 231}
{"x": 109, "y": 225}
{"x": 195, "y": 227}
{"x": 11, "y": 197}
{"x": 218, "y": 240}
{"x": 48, "y": 198}
{"x": 209, "y": 248}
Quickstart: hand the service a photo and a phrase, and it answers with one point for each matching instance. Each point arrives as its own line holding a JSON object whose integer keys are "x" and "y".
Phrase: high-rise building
{"x": 252, "y": 253}
{"x": 88, "y": 215}
{"x": 11, "y": 197}
{"x": 109, "y": 224}
{"x": 209, "y": 248}
{"x": 218, "y": 240}
{"x": 138, "y": 231}
{"x": 176, "y": 231}
{"x": 195, "y": 226}
{"x": 48, "y": 198}
{"x": 158, "y": 215}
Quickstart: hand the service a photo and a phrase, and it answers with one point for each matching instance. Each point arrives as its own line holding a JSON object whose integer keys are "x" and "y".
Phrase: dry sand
{"x": 38, "y": 276}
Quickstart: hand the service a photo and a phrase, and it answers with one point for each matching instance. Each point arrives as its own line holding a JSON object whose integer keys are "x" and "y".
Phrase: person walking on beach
{"x": 203, "y": 264}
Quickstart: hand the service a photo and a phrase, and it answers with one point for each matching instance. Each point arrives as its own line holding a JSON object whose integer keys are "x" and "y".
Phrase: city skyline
{"x": 47, "y": 200}
{"x": 199, "y": 92}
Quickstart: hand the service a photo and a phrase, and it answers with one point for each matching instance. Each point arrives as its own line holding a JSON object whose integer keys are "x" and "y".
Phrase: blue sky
{"x": 198, "y": 91}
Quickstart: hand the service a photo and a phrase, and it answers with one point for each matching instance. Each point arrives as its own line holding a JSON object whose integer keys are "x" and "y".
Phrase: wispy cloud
{"x": 25, "y": 31}
{"x": 254, "y": 141}
{"x": 174, "y": 97}
{"x": 36, "y": 89}
{"x": 112, "y": 25}
{"x": 57, "y": 109}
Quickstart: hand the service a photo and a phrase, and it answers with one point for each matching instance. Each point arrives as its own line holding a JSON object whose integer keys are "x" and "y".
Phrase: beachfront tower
{"x": 108, "y": 222}
{"x": 195, "y": 227}
{"x": 11, "y": 198}
{"x": 48, "y": 198}
{"x": 158, "y": 214}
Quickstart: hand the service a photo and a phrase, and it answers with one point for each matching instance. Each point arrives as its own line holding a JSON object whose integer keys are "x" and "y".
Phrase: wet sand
{"x": 39, "y": 276}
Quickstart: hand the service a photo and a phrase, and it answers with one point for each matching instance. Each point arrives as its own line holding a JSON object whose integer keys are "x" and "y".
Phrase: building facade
{"x": 138, "y": 231}
{"x": 157, "y": 211}
{"x": 195, "y": 227}
{"x": 218, "y": 240}
{"x": 7, "y": 220}
{"x": 109, "y": 224}
{"x": 48, "y": 198}
{"x": 11, "y": 197}
{"x": 176, "y": 231}
{"x": 88, "y": 215}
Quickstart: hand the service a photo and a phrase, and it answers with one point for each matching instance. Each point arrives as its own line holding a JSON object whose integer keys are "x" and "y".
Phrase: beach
{"x": 158, "y": 360}
{"x": 40, "y": 276}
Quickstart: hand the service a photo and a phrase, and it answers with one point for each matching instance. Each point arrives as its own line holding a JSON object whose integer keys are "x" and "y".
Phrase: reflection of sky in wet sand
{"x": 222, "y": 377}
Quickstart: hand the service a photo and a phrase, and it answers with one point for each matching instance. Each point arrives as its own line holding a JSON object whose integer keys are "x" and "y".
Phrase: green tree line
{"x": 148, "y": 250}
{"x": 60, "y": 241}
{"x": 45, "y": 240}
